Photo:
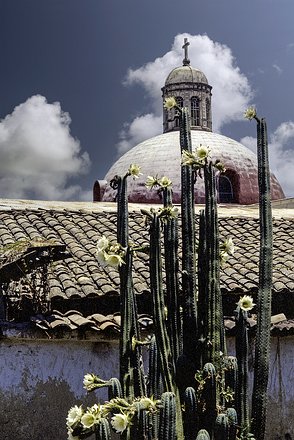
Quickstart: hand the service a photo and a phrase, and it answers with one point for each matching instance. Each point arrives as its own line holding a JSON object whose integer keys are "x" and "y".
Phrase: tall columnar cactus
{"x": 242, "y": 394}
{"x": 114, "y": 388}
{"x": 103, "y": 430}
{"x": 203, "y": 435}
{"x": 190, "y": 328}
{"x": 262, "y": 346}
{"x": 203, "y": 307}
{"x": 172, "y": 277}
{"x": 191, "y": 414}
{"x": 233, "y": 423}
{"x": 189, "y": 369}
{"x": 208, "y": 411}
{"x": 166, "y": 360}
{"x": 221, "y": 427}
{"x": 215, "y": 332}
{"x": 168, "y": 422}
{"x": 159, "y": 310}
{"x": 131, "y": 375}
{"x": 154, "y": 378}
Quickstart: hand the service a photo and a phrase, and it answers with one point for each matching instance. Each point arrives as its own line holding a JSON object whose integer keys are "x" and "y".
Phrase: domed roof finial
{"x": 186, "y": 61}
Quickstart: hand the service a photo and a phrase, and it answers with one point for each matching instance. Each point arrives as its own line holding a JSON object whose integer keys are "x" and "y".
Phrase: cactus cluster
{"x": 193, "y": 389}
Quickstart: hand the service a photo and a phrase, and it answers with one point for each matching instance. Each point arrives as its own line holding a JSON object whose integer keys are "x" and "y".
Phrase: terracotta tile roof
{"x": 79, "y": 225}
{"x": 74, "y": 320}
{"x": 72, "y": 324}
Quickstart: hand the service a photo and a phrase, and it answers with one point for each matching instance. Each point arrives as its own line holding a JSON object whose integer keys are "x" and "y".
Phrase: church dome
{"x": 161, "y": 156}
{"x": 185, "y": 74}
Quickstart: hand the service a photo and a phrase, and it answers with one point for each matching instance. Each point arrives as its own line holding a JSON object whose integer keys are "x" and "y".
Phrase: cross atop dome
{"x": 186, "y": 61}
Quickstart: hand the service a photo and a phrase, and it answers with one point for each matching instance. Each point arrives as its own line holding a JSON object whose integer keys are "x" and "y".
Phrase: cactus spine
{"x": 262, "y": 347}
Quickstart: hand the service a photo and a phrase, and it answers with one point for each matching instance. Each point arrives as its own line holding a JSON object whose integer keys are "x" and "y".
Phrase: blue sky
{"x": 75, "y": 90}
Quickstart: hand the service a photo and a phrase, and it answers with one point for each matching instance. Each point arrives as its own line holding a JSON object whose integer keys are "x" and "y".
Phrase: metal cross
{"x": 186, "y": 60}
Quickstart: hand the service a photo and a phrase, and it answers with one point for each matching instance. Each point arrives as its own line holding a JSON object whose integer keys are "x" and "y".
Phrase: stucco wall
{"x": 41, "y": 380}
{"x": 280, "y": 411}
{"x": 281, "y": 390}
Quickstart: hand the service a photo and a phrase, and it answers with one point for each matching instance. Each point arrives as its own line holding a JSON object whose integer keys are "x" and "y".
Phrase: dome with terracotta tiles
{"x": 160, "y": 155}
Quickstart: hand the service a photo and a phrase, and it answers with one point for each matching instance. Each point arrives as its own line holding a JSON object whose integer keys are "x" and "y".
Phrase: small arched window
{"x": 180, "y": 102}
{"x": 225, "y": 190}
{"x": 98, "y": 190}
{"x": 195, "y": 111}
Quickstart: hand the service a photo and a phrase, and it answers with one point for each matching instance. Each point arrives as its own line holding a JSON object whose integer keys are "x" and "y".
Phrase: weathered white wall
{"x": 280, "y": 412}
{"x": 281, "y": 389}
{"x": 41, "y": 380}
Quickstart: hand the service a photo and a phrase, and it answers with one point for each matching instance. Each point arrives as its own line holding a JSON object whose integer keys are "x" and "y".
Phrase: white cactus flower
{"x": 202, "y": 151}
{"x": 165, "y": 182}
{"x": 89, "y": 380}
{"x": 102, "y": 244}
{"x": 119, "y": 422}
{"x": 134, "y": 171}
{"x": 148, "y": 403}
{"x": 88, "y": 419}
{"x": 246, "y": 303}
{"x": 151, "y": 182}
{"x": 228, "y": 246}
{"x": 74, "y": 415}
{"x": 170, "y": 103}
{"x": 102, "y": 258}
{"x": 114, "y": 260}
{"x": 250, "y": 113}
{"x": 188, "y": 158}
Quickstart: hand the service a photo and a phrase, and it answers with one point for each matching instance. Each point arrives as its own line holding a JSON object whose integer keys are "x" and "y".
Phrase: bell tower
{"x": 189, "y": 86}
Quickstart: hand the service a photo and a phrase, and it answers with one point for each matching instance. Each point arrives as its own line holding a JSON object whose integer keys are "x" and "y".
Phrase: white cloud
{"x": 140, "y": 128}
{"x": 231, "y": 89}
{"x": 38, "y": 155}
{"x": 281, "y": 145}
{"x": 277, "y": 68}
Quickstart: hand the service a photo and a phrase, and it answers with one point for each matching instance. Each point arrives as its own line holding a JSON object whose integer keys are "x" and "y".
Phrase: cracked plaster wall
{"x": 41, "y": 380}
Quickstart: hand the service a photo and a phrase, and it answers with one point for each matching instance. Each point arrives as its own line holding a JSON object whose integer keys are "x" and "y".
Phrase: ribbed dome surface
{"x": 186, "y": 74}
{"x": 160, "y": 156}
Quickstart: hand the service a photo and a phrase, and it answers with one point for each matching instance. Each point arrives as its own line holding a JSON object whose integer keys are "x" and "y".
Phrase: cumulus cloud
{"x": 231, "y": 90}
{"x": 38, "y": 155}
{"x": 142, "y": 127}
{"x": 281, "y": 144}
